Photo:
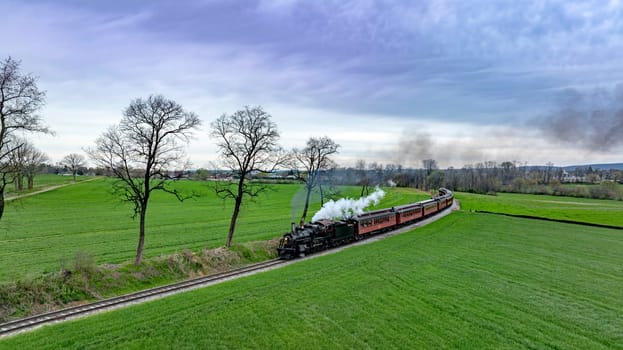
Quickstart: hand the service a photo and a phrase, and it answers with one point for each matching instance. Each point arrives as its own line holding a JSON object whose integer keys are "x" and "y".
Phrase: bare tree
{"x": 26, "y": 162}
{"x": 326, "y": 185}
{"x": 247, "y": 143}
{"x": 33, "y": 163}
{"x": 15, "y": 162}
{"x": 429, "y": 165}
{"x": 364, "y": 179}
{"x": 375, "y": 171}
{"x": 141, "y": 149}
{"x": 508, "y": 172}
{"x": 20, "y": 98}
{"x": 388, "y": 173}
{"x": 314, "y": 159}
{"x": 74, "y": 161}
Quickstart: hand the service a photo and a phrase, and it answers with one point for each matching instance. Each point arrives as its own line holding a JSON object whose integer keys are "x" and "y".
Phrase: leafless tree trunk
{"x": 326, "y": 186}
{"x": 74, "y": 162}
{"x": 364, "y": 179}
{"x": 26, "y": 160}
{"x": 141, "y": 149}
{"x": 141, "y": 236}
{"x": 236, "y": 212}
{"x": 314, "y": 159}
{"x": 3, "y": 184}
{"x": 20, "y": 98}
{"x": 247, "y": 143}
{"x": 18, "y": 181}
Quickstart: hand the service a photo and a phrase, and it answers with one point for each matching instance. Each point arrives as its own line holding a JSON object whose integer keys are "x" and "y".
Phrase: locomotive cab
{"x": 286, "y": 248}
{"x": 296, "y": 242}
{"x": 293, "y": 244}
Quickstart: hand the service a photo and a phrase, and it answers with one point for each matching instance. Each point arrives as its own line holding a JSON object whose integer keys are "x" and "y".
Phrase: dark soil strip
{"x": 554, "y": 220}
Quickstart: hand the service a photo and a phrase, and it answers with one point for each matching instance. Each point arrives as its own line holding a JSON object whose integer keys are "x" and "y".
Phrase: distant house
{"x": 566, "y": 177}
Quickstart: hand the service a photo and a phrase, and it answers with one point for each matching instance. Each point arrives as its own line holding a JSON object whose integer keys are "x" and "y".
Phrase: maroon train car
{"x": 374, "y": 221}
{"x": 430, "y": 207}
{"x": 408, "y": 213}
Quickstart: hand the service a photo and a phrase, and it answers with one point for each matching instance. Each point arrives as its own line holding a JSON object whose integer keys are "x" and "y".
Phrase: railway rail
{"x": 29, "y": 323}
{"x": 33, "y": 322}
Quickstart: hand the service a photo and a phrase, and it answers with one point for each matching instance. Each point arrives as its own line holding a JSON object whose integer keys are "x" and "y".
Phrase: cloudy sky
{"x": 390, "y": 81}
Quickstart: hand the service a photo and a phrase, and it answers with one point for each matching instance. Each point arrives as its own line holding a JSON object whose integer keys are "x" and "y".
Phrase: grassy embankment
{"x": 468, "y": 281}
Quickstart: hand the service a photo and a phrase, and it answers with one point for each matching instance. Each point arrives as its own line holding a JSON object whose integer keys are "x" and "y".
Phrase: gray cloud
{"x": 412, "y": 148}
{"x": 486, "y": 62}
{"x": 592, "y": 119}
{"x": 478, "y": 63}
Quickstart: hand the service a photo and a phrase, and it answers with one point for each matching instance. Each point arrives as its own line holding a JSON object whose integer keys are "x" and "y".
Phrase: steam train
{"x": 325, "y": 234}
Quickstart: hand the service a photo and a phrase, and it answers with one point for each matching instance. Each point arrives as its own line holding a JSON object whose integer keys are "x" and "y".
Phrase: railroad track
{"x": 33, "y": 322}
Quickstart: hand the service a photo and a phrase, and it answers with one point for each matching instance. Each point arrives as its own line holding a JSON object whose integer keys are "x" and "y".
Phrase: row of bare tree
{"x": 147, "y": 143}
{"x": 141, "y": 149}
{"x": 24, "y": 161}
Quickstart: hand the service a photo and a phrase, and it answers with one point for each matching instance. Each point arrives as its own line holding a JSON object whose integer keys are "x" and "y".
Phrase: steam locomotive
{"x": 324, "y": 234}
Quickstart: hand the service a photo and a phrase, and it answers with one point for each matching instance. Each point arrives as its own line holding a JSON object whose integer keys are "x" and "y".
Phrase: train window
{"x": 365, "y": 223}
{"x": 382, "y": 220}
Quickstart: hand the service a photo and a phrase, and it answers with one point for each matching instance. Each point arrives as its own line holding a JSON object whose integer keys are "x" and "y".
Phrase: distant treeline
{"x": 486, "y": 177}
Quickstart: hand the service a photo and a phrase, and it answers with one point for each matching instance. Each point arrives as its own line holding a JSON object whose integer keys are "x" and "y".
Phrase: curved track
{"x": 33, "y": 322}
{"x": 30, "y": 323}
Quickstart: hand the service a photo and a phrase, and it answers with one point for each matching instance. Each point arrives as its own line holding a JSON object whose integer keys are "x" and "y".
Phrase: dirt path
{"x": 45, "y": 189}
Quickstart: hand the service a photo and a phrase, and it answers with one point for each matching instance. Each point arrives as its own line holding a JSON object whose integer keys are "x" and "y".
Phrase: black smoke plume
{"x": 592, "y": 120}
{"x": 413, "y": 148}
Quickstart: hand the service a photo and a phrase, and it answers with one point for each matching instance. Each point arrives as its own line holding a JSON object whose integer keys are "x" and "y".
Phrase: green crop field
{"x": 468, "y": 281}
{"x": 40, "y": 232}
{"x": 594, "y": 211}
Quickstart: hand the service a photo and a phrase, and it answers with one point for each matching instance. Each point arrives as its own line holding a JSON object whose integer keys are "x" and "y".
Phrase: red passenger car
{"x": 408, "y": 213}
{"x": 374, "y": 221}
{"x": 430, "y": 207}
{"x": 442, "y": 204}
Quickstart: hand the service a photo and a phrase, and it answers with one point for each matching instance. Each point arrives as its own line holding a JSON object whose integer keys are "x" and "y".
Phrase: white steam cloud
{"x": 347, "y": 207}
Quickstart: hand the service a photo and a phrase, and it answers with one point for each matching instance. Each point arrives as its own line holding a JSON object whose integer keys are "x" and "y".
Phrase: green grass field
{"x": 595, "y": 211}
{"x": 42, "y": 181}
{"x": 41, "y": 232}
{"x": 468, "y": 281}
